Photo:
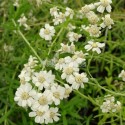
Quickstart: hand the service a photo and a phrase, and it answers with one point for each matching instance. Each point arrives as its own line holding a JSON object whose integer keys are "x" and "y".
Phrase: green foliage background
{"x": 77, "y": 110}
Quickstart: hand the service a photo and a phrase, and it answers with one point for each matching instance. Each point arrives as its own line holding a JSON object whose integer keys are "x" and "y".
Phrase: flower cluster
{"x": 109, "y": 105}
{"x": 70, "y": 68}
{"x": 39, "y": 91}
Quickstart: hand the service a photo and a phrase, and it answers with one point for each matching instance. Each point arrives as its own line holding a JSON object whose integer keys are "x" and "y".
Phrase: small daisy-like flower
{"x": 109, "y": 104}
{"x": 57, "y": 94}
{"x": 105, "y": 107}
{"x": 8, "y": 48}
{"x": 93, "y": 30}
{"x": 43, "y": 79}
{"x": 60, "y": 64}
{"x": 78, "y": 80}
{"x": 68, "y": 90}
{"x": 60, "y": 18}
{"x": 69, "y": 70}
{"x": 16, "y": 3}
{"x": 107, "y": 21}
{"x": 69, "y": 12}
{"x": 65, "y": 48}
{"x": 73, "y": 37}
{"x": 122, "y": 75}
{"x": 71, "y": 27}
{"x": 87, "y": 8}
{"x": 24, "y": 95}
{"x": 32, "y": 62}
{"x": 94, "y": 46}
{"x": 47, "y": 33}
{"x": 40, "y": 115}
{"x": 42, "y": 100}
{"x": 53, "y": 115}
{"x": 104, "y": 4}
{"x": 92, "y": 17}
{"x": 25, "y": 75}
{"x": 23, "y": 22}
{"x": 79, "y": 57}
{"x": 54, "y": 11}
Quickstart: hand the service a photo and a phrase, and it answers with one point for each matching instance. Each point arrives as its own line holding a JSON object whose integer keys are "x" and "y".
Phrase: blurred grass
{"x": 76, "y": 110}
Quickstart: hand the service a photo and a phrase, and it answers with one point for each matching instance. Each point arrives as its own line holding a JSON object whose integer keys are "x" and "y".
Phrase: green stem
{"x": 27, "y": 42}
{"x": 89, "y": 61}
{"x": 107, "y": 90}
{"x": 121, "y": 123}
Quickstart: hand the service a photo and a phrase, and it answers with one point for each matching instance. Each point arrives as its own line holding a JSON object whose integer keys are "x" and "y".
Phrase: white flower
{"x": 73, "y": 37}
{"x": 68, "y": 90}
{"x": 69, "y": 12}
{"x": 92, "y": 17}
{"x": 24, "y": 95}
{"x": 48, "y": 32}
{"x": 32, "y": 62}
{"x": 87, "y": 8}
{"x": 54, "y": 11}
{"x": 93, "y": 30}
{"x": 79, "y": 57}
{"x": 94, "y": 46}
{"x": 60, "y": 64}
{"x": 38, "y": 3}
{"x": 71, "y": 27}
{"x": 109, "y": 98}
{"x": 107, "y": 21}
{"x": 78, "y": 80}
{"x": 16, "y": 3}
{"x": 8, "y": 48}
{"x": 69, "y": 70}
{"x": 122, "y": 75}
{"x": 58, "y": 93}
{"x": 53, "y": 115}
{"x": 109, "y": 105}
{"x": 25, "y": 75}
{"x": 43, "y": 79}
{"x": 40, "y": 115}
{"x": 105, "y": 107}
{"x": 104, "y": 4}
{"x": 65, "y": 48}
{"x": 42, "y": 100}
{"x": 60, "y": 18}
{"x": 23, "y": 22}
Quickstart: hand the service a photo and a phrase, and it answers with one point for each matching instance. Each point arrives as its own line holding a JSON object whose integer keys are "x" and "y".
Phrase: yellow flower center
{"x": 69, "y": 70}
{"x": 56, "y": 95}
{"x": 47, "y": 31}
{"x": 25, "y": 96}
{"x": 94, "y": 45}
{"x": 104, "y": 3}
{"x": 78, "y": 79}
{"x": 39, "y": 113}
{"x": 42, "y": 100}
{"x": 52, "y": 114}
{"x": 41, "y": 78}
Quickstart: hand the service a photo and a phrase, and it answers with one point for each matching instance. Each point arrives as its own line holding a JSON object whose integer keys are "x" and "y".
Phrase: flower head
{"x": 94, "y": 46}
{"x": 47, "y": 33}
